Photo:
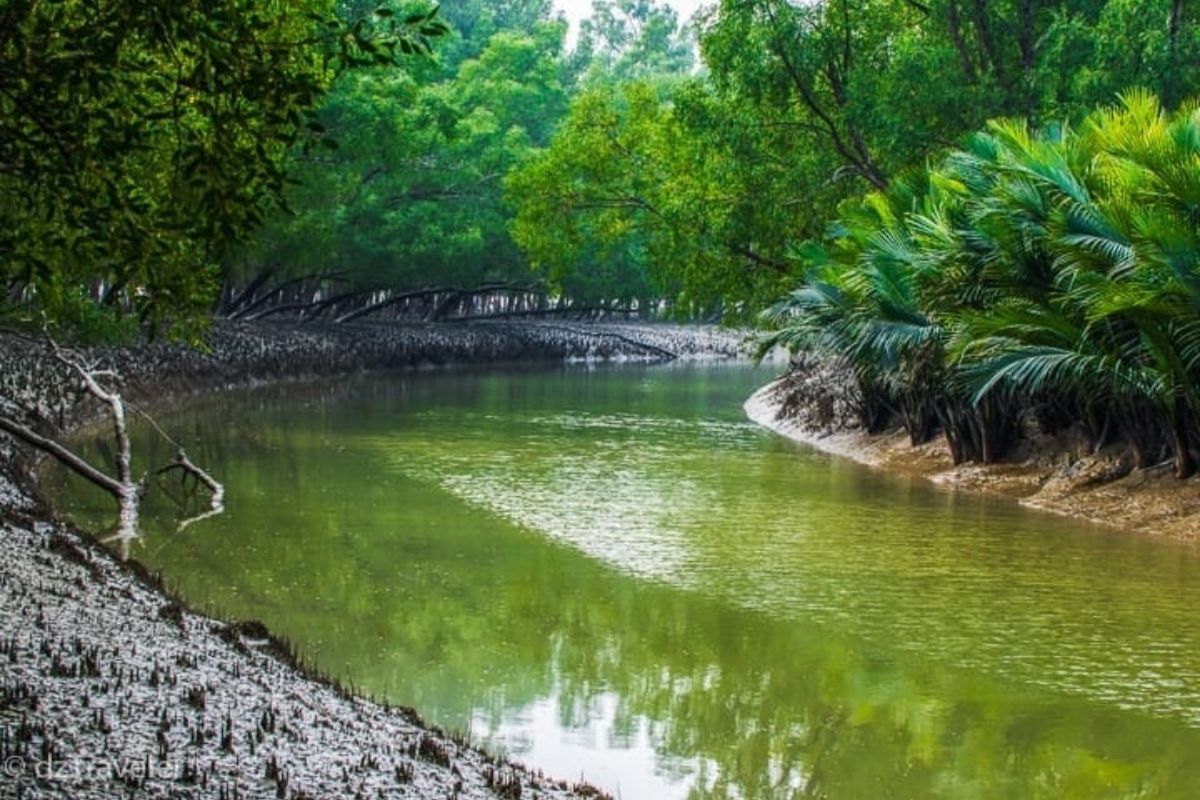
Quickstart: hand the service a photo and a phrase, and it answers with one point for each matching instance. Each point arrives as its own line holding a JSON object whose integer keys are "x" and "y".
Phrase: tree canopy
{"x": 166, "y": 162}
{"x": 412, "y": 195}
{"x": 799, "y": 106}
{"x": 141, "y": 141}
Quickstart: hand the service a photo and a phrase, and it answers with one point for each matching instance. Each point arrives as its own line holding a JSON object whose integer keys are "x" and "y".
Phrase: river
{"x": 610, "y": 574}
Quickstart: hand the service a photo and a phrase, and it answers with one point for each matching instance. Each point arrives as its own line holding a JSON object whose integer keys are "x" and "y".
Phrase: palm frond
{"x": 1009, "y": 367}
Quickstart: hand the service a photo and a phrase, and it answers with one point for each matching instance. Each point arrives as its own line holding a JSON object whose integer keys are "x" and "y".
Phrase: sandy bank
{"x": 809, "y": 406}
{"x": 111, "y": 688}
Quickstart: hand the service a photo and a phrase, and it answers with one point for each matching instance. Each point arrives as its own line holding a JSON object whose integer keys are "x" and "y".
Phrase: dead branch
{"x": 217, "y": 491}
{"x": 124, "y": 488}
{"x": 61, "y": 454}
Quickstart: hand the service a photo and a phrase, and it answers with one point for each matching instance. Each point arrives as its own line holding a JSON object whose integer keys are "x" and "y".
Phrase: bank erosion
{"x": 813, "y": 404}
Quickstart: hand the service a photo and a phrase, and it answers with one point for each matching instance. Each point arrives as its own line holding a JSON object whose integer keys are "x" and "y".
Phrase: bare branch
{"x": 217, "y": 499}
{"x": 128, "y": 491}
{"x": 124, "y": 488}
{"x": 62, "y": 454}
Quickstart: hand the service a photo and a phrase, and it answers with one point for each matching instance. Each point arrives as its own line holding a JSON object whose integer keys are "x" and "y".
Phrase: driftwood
{"x": 123, "y": 487}
{"x": 216, "y": 490}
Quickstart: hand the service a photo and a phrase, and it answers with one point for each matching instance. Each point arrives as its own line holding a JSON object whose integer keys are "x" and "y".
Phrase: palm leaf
{"x": 1010, "y": 367}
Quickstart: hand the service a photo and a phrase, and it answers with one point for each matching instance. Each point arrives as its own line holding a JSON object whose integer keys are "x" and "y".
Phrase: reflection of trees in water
{"x": 788, "y": 713}
{"x": 781, "y": 710}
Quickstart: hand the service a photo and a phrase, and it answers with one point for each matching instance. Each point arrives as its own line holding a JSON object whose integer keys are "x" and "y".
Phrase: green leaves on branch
{"x": 413, "y": 197}
{"x": 140, "y": 141}
{"x": 381, "y": 38}
{"x": 650, "y": 191}
{"x": 593, "y": 209}
{"x": 1054, "y": 273}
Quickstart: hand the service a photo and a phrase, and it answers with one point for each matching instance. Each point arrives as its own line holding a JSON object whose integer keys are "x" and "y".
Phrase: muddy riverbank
{"x": 810, "y": 405}
{"x": 111, "y": 687}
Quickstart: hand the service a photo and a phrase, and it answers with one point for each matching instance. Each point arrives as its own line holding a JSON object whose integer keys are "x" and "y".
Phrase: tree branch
{"x": 217, "y": 491}
{"x": 762, "y": 261}
{"x": 62, "y": 454}
{"x": 123, "y": 488}
{"x": 861, "y": 160}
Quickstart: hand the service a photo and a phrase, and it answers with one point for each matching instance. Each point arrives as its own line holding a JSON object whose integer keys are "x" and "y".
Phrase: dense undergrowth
{"x": 1046, "y": 276}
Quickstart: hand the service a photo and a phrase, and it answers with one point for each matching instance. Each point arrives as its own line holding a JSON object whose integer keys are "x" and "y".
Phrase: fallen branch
{"x": 60, "y": 452}
{"x": 217, "y": 496}
{"x": 123, "y": 487}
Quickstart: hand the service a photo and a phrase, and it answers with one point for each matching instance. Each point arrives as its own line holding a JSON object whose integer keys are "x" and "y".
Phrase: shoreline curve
{"x": 808, "y": 406}
{"x": 109, "y": 685}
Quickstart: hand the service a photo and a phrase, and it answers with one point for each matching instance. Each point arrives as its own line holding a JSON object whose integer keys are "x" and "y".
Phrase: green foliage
{"x": 586, "y": 213}
{"x": 634, "y": 40}
{"x": 627, "y": 204}
{"x": 1136, "y": 43}
{"x": 650, "y": 188}
{"x": 1056, "y": 272}
{"x": 414, "y": 197}
{"x": 139, "y": 141}
{"x": 411, "y": 198}
{"x": 801, "y": 106}
{"x": 154, "y": 156}
{"x": 805, "y": 104}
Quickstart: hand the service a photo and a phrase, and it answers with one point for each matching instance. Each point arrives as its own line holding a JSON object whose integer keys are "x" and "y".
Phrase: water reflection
{"x": 613, "y": 574}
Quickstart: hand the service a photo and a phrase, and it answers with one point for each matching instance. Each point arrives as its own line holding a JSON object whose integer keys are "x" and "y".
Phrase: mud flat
{"x": 109, "y": 687}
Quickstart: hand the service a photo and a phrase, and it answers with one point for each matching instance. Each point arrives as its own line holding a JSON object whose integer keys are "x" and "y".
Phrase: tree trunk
{"x": 954, "y": 25}
{"x": 987, "y": 40}
{"x": 1026, "y": 36}
{"x": 1171, "y": 93}
{"x": 1181, "y": 441}
{"x": 919, "y": 419}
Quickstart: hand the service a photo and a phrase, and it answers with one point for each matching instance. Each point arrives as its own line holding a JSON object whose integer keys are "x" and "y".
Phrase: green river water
{"x": 610, "y": 574}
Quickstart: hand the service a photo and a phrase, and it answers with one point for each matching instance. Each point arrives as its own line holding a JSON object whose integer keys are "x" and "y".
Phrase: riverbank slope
{"x": 809, "y": 405}
{"x": 110, "y": 687}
